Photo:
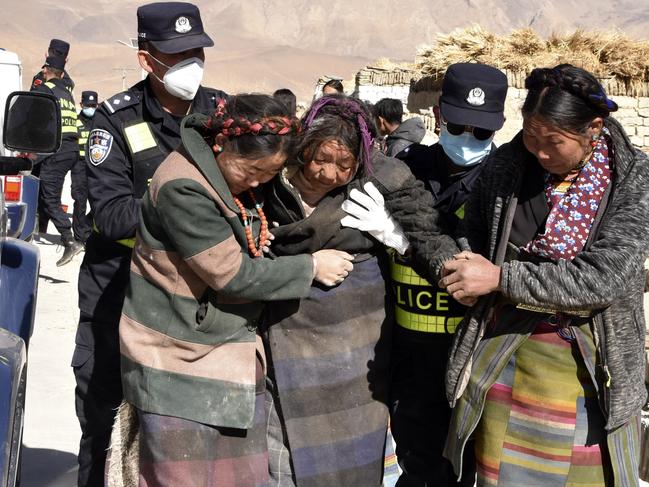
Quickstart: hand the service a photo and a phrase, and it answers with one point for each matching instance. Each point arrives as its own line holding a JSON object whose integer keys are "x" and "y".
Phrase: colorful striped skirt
{"x": 541, "y": 423}
{"x": 329, "y": 356}
{"x": 178, "y": 452}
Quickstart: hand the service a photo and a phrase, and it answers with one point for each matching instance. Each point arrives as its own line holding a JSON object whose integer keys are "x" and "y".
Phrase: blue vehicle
{"x": 31, "y": 124}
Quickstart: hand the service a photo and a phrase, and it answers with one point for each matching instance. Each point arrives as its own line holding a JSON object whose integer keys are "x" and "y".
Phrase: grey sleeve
{"x": 600, "y": 275}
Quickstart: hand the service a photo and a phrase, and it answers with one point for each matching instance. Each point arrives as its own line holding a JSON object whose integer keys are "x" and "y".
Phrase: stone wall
{"x": 376, "y": 83}
{"x": 633, "y": 114}
{"x": 419, "y": 95}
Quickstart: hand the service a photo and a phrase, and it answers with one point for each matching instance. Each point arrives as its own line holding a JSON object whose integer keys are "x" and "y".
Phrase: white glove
{"x": 367, "y": 213}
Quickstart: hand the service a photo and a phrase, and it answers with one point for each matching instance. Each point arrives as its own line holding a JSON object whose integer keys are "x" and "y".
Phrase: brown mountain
{"x": 262, "y": 45}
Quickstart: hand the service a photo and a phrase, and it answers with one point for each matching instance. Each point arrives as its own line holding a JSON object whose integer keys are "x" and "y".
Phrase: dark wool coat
{"x": 329, "y": 352}
{"x": 607, "y": 279}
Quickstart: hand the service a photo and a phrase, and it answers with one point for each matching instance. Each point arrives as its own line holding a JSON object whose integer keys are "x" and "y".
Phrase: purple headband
{"x": 351, "y": 109}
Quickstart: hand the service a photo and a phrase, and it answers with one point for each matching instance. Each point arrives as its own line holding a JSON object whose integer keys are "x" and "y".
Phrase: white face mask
{"x": 183, "y": 79}
{"x": 88, "y": 111}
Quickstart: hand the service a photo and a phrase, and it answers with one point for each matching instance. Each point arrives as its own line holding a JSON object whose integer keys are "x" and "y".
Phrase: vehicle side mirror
{"x": 32, "y": 123}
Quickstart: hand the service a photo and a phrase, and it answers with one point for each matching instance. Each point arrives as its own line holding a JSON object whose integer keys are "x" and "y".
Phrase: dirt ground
{"x": 51, "y": 435}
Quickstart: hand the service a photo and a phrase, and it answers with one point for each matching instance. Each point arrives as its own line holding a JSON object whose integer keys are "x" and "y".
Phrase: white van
{"x": 20, "y": 190}
{"x": 11, "y": 79}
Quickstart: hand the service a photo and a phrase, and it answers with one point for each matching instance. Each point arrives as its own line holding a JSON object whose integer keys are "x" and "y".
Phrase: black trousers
{"x": 52, "y": 174}
{"x": 96, "y": 365}
{"x": 79, "y": 191}
{"x": 420, "y": 413}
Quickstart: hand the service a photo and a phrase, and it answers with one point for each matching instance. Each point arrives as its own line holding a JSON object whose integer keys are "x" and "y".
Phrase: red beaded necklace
{"x": 263, "y": 232}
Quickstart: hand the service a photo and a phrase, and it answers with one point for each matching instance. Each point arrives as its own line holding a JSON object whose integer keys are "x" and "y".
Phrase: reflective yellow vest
{"x": 68, "y": 109}
{"x": 420, "y": 305}
{"x": 83, "y": 138}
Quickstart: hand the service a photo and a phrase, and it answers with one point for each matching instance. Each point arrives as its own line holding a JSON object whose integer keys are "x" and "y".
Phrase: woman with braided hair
{"x": 192, "y": 363}
{"x": 329, "y": 352}
{"x": 547, "y": 369}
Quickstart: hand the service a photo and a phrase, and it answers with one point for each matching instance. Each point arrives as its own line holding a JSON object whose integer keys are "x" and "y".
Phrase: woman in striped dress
{"x": 547, "y": 370}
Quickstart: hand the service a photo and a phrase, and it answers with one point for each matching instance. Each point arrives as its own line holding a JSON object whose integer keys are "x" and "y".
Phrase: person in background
{"x": 53, "y": 168}
{"x": 81, "y": 221}
{"x": 60, "y": 49}
{"x": 399, "y": 135}
{"x": 333, "y": 87}
{"x": 287, "y": 97}
{"x": 196, "y": 377}
{"x": 133, "y": 131}
{"x": 547, "y": 370}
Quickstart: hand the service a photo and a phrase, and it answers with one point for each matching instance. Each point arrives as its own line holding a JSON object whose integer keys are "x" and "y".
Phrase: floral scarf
{"x": 573, "y": 209}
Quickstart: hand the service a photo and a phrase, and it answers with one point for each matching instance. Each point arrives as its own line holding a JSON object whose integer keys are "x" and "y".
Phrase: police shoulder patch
{"x": 120, "y": 101}
{"x": 100, "y": 143}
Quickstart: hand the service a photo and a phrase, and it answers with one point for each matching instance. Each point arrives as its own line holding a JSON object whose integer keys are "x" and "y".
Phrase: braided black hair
{"x": 252, "y": 125}
{"x": 567, "y": 97}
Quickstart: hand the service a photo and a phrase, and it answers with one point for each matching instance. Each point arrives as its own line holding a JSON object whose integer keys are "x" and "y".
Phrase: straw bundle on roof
{"x": 606, "y": 54}
{"x": 474, "y": 44}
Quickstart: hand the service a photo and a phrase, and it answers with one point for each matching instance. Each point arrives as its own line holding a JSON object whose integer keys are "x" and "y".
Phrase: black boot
{"x": 71, "y": 247}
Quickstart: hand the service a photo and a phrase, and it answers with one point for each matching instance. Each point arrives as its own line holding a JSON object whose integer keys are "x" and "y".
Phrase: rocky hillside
{"x": 262, "y": 45}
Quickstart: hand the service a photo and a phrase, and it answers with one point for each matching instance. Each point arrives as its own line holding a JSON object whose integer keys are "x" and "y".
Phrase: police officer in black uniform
{"x": 132, "y": 133}
{"x": 60, "y": 49}
{"x": 57, "y": 48}
{"x": 79, "y": 187}
{"x": 471, "y": 110}
{"x": 53, "y": 168}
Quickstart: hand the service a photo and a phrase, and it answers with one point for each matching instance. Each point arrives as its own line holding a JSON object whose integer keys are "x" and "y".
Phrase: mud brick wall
{"x": 419, "y": 94}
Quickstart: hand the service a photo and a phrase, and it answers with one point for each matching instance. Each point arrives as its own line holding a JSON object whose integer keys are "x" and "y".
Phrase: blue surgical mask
{"x": 464, "y": 149}
{"x": 88, "y": 111}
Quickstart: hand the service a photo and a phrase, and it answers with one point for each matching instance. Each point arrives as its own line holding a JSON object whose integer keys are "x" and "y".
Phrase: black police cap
{"x": 474, "y": 94}
{"x": 172, "y": 27}
{"x": 56, "y": 62}
{"x": 89, "y": 98}
{"x": 57, "y": 46}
